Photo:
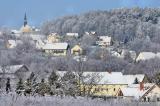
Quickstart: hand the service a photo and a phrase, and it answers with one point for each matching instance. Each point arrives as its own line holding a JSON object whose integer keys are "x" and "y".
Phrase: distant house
{"x": 76, "y": 35}
{"x": 147, "y": 55}
{"x": 53, "y": 38}
{"x": 90, "y": 33}
{"x": 13, "y": 43}
{"x": 143, "y": 92}
{"x": 104, "y": 41}
{"x": 36, "y": 36}
{"x": 80, "y": 58}
{"x": 14, "y": 72}
{"x": 76, "y": 50}
{"x": 131, "y": 53}
{"x": 56, "y": 49}
{"x": 16, "y": 33}
{"x": 115, "y": 54}
{"x": 108, "y": 83}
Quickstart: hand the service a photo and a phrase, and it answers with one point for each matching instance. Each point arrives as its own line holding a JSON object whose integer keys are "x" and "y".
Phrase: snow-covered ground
{"x": 15, "y": 100}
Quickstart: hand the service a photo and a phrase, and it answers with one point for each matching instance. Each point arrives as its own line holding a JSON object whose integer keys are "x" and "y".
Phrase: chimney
{"x": 109, "y": 71}
{"x": 141, "y": 86}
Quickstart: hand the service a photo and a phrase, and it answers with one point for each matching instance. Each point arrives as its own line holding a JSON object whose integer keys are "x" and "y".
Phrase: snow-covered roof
{"x": 158, "y": 54}
{"x": 15, "y": 31}
{"x": 72, "y": 34}
{"x": 80, "y": 58}
{"x": 133, "y": 90}
{"x": 131, "y": 78}
{"x": 37, "y": 36}
{"x": 147, "y": 56}
{"x": 105, "y": 38}
{"x": 115, "y": 54}
{"x": 10, "y": 69}
{"x": 56, "y": 46}
{"x": 13, "y": 43}
{"x": 108, "y": 77}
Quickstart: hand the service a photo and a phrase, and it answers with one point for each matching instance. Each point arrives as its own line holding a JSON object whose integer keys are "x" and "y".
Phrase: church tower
{"x": 25, "y": 20}
{"x": 25, "y": 28}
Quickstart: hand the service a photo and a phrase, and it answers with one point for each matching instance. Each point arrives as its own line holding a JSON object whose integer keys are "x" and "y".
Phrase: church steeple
{"x": 25, "y": 20}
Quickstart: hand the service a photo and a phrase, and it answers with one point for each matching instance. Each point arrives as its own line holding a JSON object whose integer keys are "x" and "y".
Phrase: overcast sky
{"x": 38, "y": 11}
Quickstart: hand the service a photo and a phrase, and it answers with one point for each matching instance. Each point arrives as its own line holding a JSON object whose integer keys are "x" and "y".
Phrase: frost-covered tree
{"x": 70, "y": 84}
{"x": 20, "y": 86}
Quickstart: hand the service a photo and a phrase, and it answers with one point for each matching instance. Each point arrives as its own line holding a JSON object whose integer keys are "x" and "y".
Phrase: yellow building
{"x": 56, "y": 49}
{"x": 76, "y": 50}
{"x": 108, "y": 83}
{"x": 26, "y": 29}
{"x": 105, "y": 84}
{"x": 53, "y": 38}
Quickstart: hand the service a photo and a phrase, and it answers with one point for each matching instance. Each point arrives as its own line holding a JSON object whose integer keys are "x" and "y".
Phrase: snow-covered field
{"x": 15, "y": 100}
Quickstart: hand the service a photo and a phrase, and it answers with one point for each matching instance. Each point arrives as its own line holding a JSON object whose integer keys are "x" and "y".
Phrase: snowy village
{"x": 96, "y": 58}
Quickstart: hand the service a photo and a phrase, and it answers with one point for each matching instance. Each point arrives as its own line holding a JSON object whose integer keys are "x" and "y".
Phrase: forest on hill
{"x": 138, "y": 28}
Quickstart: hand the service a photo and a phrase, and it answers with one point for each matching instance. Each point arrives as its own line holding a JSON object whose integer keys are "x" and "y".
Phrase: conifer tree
{"x": 136, "y": 81}
{"x": 53, "y": 78}
{"x": 53, "y": 82}
{"x": 70, "y": 84}
{"x": 20, "y": 86}
{"x": 43, "y": 88}
{"x": 28, "y": 86}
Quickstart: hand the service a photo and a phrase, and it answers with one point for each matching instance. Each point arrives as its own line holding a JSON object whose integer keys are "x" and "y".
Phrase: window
{"x": 97, "y": 89}
{"x": 148, "y": 99}
{"x": 102, "y": 89}
{"x": 144, "y": 99}
{"x": 106, "y": 89}
{"x": 58, "y": 51}
{"x": 114, "y": 89}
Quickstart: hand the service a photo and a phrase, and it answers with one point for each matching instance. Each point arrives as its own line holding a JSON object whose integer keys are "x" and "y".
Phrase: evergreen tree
{"x": 20, "y": 86}
{"x": 28, "y": 87}
{"x": 136, "y": 81}
{"x": 53, "y": 82}
{"x": 43, "y": 88}
{"x": 70, "y": 84}
{"x": 53, "y": 78}
{"x": 34, "y": 85}
{"x": 8, "y": 85}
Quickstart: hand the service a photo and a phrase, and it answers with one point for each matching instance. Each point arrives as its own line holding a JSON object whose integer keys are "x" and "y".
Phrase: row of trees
{"x": 56, "y": 85}
{"x": 69, "y": 84}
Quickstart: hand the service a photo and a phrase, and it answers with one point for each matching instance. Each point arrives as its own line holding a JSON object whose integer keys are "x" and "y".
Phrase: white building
{"x": 72, "y": 35}
{"x": 147, "y": 55}
{"x": 142, "y": 92}
{"x": 56, "y": 49}
{"x": 13, "y": 43}
{"x": 104, "y": 41}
